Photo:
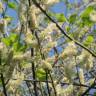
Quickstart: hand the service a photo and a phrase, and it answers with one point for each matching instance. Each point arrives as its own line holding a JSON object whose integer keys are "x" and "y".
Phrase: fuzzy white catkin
{"x": 81, "y": 76}
{"x": 29, "y": 39}
{"x": 3, "y": 26}
{"x": 58, "y": 89}
{"x": 13, "y": 84}
{"x": 70, "y": 50}
{"x": 1, "y": 46}
{"x": 46, "y": 65}
{"x": 93, "y": 16}
{"x": 85, "y": 59}
{"x": 23, "y": 56}
{"x": 47, "y": 46}
{"x": 32, "y": 17}
{"x": 69, "y": 90}
{"x": 48, "y": 2}
{"x": 64, "y": 91}
{"x": 82, "y": 80}
{"x": 90, "y": 82}
{"x": 49, "y": 29}
{"x": 52, "y": 1}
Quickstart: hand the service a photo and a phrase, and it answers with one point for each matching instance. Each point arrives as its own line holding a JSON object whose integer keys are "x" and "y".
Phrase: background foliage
{"x": 47, "y": 53}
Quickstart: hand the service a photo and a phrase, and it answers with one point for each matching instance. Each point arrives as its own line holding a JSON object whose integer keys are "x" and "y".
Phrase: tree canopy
{"x": 47, "y": 53}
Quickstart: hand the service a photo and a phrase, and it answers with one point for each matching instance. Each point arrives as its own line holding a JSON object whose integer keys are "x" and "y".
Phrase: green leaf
{"x": 6, "y": 0}
{"x": 88, "y": 40}
{"x": 18, "y": 47}
{"x": 12, "y": 5}
{"x": 87, "y": 22}
{"x": 72, "y": 18}
{"x": 67, "y": 28}
{"x": 85, "y": 17}
{"x": 60, "y": 17}
{"x": 8, "y": 18}
{"x": 6, "y": 41}
{"x": 41, "y": 74}
{"x": 13, "y": 37}
{"x": 87, "y": 12}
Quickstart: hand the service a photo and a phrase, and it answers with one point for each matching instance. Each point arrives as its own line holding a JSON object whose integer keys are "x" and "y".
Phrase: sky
{"x": 58, "y": 8}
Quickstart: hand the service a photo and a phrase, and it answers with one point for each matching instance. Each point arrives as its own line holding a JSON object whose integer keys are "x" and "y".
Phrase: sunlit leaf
{"x": 60, "y": 17}
{"x": 88, "y": 40}
{"x": 6, "y": 41}
{"x": 12, "y": 5}
{"x": 72, "y": 18}
{"x": 87, "y": 11}
{"x": 41, "y": 74}
{"x": 13, "y": 37}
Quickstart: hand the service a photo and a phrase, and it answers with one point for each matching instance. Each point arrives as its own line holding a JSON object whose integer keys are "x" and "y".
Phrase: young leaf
{"x": 41, "y": 74}
{"x": 12, "y": 5}
{"x": 88, "y": 40}
{"x": 6, "y": 41}
{"x": 87, "y": 12}
{"x": 61, "y": 18}
{"x": 13, "y": 37}
{"x": 72, "y": 18}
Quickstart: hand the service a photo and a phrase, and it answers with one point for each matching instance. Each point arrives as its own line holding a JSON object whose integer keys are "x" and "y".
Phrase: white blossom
{"x": 46, "y": 65}
{"x": 93, "y": 16}
{"x": 70, "y": 50}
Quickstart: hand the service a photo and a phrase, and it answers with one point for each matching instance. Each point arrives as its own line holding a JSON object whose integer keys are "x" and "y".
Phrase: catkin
{"x": 32, "y": 17}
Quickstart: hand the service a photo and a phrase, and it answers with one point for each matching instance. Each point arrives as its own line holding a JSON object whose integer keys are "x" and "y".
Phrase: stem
{"x": 3, "y": 84}
{"x": 41, "y": 89}
{"x": 89, "y": 89}
{"x": 34, "y": 78}
{"x": 47, "y": 83}
{"x": 77, "y": 70}
{"x": 28, "y": 88}
{"x": 53, "y": 85}
{"x": 33, "y": 72}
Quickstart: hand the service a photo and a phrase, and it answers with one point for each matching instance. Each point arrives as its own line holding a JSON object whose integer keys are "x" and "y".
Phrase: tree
{"x": 30, "y": 60}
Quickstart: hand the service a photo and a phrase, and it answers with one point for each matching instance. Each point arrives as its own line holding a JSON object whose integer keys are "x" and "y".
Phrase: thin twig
{"x": 92, "y": 86}
{"x": 77, "y": 70}
{"x": 47, "y": 83}
{"x": 28, "y": 88}
{"x": 55, "y": 92}
{"x": 41, "y": 89}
